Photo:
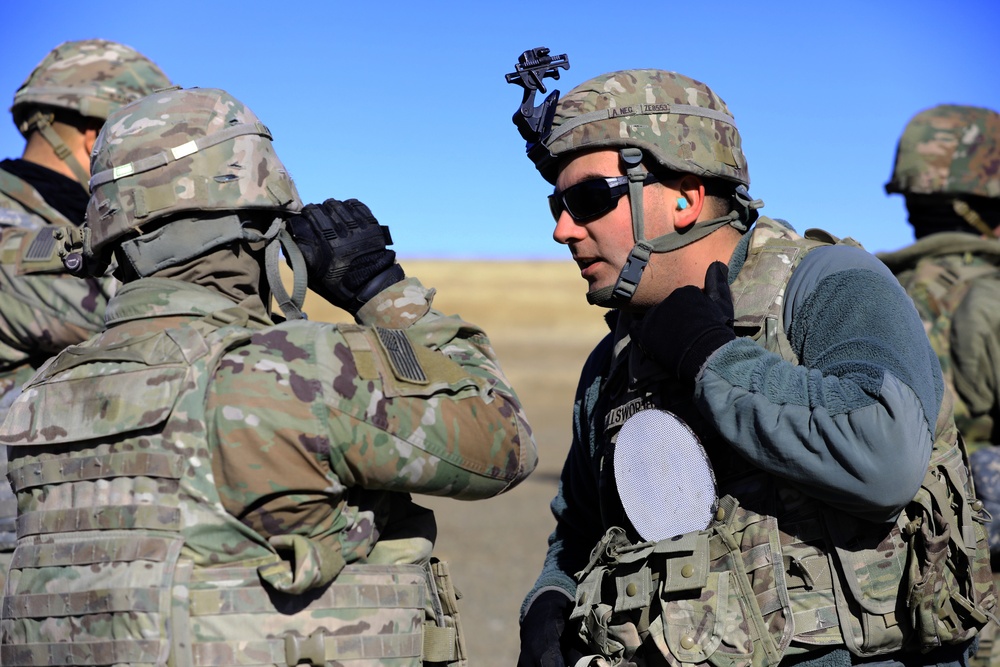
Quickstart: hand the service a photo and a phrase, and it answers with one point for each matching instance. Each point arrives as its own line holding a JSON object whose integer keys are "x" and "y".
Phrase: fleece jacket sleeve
{"x": 852, "y": 423}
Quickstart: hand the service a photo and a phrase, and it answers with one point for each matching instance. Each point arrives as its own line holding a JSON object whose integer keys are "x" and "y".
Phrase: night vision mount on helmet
{"x": 533, "y": 66}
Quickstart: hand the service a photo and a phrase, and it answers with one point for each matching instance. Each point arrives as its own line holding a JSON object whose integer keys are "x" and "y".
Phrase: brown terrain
{"x": 542, "y": 328}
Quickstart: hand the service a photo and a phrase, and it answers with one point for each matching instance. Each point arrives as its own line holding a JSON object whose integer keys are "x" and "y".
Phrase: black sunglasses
{"x": 592, "y": 198}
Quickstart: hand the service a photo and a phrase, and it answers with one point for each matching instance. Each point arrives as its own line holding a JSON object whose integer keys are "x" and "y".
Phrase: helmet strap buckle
{"x": 631, "y": 273}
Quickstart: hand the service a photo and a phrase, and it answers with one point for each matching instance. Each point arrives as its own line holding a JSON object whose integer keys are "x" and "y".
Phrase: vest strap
{"x": 439, "y": 643}
{"x": 315, "y": 649}
{"x": 77, "y": 653}
{"x": 75, "y": 520}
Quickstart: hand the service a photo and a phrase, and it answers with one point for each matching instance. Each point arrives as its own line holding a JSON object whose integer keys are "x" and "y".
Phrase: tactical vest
{"x": 17, "y": 196}
{"x": 777, "y": 573}
{"x": 938, "y": 285}
{"x": 125, "y": 554}
{"x": 22, "y": 210}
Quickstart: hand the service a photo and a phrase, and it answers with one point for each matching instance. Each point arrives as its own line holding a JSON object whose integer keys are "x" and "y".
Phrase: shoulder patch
{"x": 39, "y": 253}
{"x": 41, "y": 248}
{"x": 401, "y": 355}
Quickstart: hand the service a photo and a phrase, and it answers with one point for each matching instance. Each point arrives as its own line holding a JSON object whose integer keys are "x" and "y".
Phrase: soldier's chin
{"x": 605, "y": 297}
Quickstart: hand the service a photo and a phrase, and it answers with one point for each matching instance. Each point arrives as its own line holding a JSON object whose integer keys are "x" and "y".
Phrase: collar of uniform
{"x": 740, "y": 254}
{"x": 163, "y": 297}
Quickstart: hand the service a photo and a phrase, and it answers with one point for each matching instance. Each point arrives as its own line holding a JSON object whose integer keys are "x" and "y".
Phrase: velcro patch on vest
{"x": 401, "y": 355}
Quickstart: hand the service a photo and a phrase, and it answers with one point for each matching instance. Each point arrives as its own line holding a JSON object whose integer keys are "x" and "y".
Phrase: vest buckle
{"x": 311, "y": 649}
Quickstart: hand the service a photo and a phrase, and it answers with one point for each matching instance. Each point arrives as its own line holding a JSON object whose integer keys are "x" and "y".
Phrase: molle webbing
{"x": 378, "y": 596}
{"x": 122, "y": 550}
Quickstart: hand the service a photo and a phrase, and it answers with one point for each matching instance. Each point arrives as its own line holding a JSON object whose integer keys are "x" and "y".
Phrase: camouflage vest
{"x": 777, "y": 573}
{"x": 22, "y": 205}
{"x": 22, "y": 209}
{"x": 125, "y": 554}
{"x": 938, "y": 282}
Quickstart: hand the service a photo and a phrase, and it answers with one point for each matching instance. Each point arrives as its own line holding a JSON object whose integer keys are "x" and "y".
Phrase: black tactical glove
{"x": 542, "y": 641}
{"x": 345, "y": 252}
{"x": 684, "y": 329}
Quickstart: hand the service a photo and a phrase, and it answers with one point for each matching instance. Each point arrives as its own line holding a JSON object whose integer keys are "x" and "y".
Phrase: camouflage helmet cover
{"x": 677, "y": 120}
{"x": 949, "y": 149}
{"x": 176, "y": 151}
{"x": 92, "y": 77}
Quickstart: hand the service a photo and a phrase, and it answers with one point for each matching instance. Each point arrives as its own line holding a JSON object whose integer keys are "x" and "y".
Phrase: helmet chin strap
{"x": 290, "y": 304}
{"x": 631, "y": 273}
{"x": 43, "y": 123}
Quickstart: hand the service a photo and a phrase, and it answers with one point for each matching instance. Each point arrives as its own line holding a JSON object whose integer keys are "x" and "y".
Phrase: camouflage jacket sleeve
{"x": 41, "y": 313}
{"x": 860, "y": 406}
{"x": 455, "y": 425}
{"x": 579, "y": 525}
{"x": 414, "y": 402}
{"x": 975, "y": 348}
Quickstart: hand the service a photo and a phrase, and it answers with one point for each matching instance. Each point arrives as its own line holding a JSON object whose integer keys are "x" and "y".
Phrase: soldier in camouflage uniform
{"x": 199, "y": 485}
{"x": 948, "y": 169}
{"x": 843, "y": 528}
{"x": 59, "y": 109}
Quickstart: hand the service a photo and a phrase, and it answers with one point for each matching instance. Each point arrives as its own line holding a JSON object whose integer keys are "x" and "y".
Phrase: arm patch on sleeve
{"x": 402, "y": 358}
{"x": 40, "y": 255}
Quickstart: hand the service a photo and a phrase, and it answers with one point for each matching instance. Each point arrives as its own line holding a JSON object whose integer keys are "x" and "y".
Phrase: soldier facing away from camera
{"x": 59, "y": 109}
{"x": 839, "y": 526}
{"x": 199, "y": 485}
{"x": 948, "y": 169}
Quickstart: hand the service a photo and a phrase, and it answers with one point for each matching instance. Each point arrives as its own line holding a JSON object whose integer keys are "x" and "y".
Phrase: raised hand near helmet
{"x": 344, "y": 247}
{"x": 682, "y": 331}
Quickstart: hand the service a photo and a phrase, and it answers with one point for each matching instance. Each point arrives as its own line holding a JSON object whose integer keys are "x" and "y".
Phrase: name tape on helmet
{"x": 639, "y": 110}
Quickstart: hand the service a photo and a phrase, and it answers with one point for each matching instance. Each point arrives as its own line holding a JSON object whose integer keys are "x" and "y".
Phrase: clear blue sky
{"x": 404, "y": 104}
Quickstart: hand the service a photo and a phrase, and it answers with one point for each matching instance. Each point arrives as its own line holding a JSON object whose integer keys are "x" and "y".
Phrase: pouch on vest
{"x": 950, "y": 583}
{"x": 713, "y": 597}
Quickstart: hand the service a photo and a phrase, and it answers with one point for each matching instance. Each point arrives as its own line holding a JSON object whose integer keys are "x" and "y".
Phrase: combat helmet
{"x": 953, "y": 151}
{"x": 677, "y": 122}
{"x": 91, "y": 77}
{"x": 173, "y": 172}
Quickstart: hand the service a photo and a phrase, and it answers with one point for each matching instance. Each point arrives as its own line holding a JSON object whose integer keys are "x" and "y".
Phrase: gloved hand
{"x": 344, "y": 247}
{"x": 684, "y": 329}
{"x": 542, "y": 642}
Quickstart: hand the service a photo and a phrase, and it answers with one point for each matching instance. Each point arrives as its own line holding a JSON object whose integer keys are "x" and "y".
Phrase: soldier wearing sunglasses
{"x": 843, "y": 527}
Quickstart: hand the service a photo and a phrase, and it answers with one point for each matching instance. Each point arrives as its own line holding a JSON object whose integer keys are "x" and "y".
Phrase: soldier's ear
{"x": 690, "y": 201}
{"x": 89, "y": 139}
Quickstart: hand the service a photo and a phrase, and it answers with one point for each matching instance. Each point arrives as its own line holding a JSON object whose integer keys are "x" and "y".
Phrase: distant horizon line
{"x": 469, "y": 258}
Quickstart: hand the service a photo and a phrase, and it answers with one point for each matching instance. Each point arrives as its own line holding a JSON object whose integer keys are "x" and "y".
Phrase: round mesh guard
{"x": 664, "y": 478}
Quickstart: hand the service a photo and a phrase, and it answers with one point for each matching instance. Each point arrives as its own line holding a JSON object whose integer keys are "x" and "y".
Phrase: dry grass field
{"x": 542, "y": 328}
